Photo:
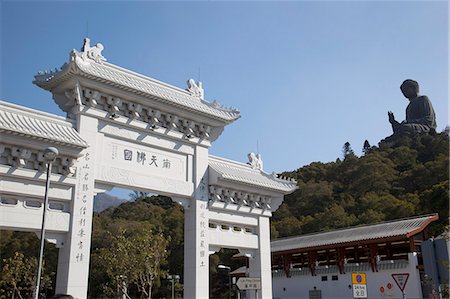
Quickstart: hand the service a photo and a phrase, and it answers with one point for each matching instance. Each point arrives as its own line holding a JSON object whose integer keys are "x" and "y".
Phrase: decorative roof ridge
{"x": 142, "y": 76}
{"x": 30, "y": 112}
{"x": 232, "y": 162}
{"x": 94, "y": 54}
{"x": 433, "y": 216}
{"x": 90, "y": 61}
{"x": 248, "y": 167}
{"x": 214, "y": 103}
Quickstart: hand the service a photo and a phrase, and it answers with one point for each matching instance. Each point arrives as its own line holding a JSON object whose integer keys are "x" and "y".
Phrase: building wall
{"x": 301, "y": 281}
{"x": 435, "y": 254}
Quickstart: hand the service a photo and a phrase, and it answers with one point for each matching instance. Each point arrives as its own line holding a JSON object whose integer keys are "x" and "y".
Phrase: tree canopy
{"x": 401, "y": 177}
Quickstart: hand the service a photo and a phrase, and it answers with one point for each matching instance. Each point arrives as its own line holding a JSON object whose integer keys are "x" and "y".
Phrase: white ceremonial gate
{"x": 130, "y": 131}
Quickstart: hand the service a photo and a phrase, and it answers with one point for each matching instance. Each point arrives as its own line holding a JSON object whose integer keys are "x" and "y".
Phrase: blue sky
{"x": 306, "y": 76}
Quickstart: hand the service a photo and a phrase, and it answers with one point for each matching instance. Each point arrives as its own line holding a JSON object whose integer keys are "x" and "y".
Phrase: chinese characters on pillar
{"x": 202, "y": 188}
{"x": 204, "y": 247}
{"x": 81, "y": 210}
{"x": 203, "y": 224}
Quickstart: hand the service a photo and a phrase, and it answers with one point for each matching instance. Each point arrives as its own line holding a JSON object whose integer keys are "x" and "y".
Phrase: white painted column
{"x": 260, "y": 265}
{"x": 196, "y": 247}
{"x": 73, "y": 261}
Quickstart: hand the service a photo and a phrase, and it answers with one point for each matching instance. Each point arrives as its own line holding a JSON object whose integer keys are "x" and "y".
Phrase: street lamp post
{"x": 49, "y": 156}
{"x": 229, "y": 277}
{"x": 173, "y": 278}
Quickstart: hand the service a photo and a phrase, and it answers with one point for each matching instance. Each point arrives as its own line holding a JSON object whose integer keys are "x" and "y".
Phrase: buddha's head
{"x": 410, "y": 89}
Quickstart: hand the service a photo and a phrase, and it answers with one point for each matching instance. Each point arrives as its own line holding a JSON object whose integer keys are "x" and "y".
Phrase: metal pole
{"x": 173, "y": 287}
{"x": 41, "y": 252}
{"x": 229, "y": 284}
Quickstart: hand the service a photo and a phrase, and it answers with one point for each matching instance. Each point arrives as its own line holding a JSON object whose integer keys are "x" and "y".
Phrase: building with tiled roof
{"x": 325, "y": 262}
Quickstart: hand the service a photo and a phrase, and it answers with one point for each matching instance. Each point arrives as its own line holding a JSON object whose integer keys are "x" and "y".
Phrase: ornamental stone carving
{"x": 117, "y": 107}
{"x": 255, "y": 161}
{"x": 196, "y": 89}
{"x": 239, "y": 198}
{"x": 92, "y": 97}
{"x": 20, "y": 157}
{"x": 94, "y": 53}
{"x": 153, "y": 118}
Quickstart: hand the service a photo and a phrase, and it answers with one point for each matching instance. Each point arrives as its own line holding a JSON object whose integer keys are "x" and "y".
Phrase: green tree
{"x": 133, "y": 257}
{"x": 18, "y": 277}
{"x": 289, "y": 226}
{"x": 335, "y": 217}
{"x": 372, "y": 173}
{"x": 366, "y": 147}
{"x": 347, "y": 150}
{"x": 135, "y": 195}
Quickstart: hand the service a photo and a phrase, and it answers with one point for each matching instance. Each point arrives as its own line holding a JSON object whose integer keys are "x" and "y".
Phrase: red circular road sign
{"x": 389, "y": 286}
{"x": 381, "y": 289}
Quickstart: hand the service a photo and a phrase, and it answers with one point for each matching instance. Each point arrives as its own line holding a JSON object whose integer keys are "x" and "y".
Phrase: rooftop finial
{"x": 196, "y": 89}
{"x": 86, "y": 44}
{"x": 94, "y": 53}
{"x": 255, "y": 161}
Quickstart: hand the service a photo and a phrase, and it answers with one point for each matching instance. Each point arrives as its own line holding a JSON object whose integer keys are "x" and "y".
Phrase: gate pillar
{"x": 73, "y": 260}
{"x": 196, "y": 252}
{"x": 260, "y": 265}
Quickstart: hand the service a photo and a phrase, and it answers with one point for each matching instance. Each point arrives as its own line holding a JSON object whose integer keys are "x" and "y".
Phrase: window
{"x": 324, "y": 278}
{"x": 33, "y": 203}
{"x": 56, "y": 206}
{"x": 8, "y": 201}
{"x": 334, "y": 277}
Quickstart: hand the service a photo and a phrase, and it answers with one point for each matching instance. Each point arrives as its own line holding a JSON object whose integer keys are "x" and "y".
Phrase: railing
{"x": 350, "y": 267}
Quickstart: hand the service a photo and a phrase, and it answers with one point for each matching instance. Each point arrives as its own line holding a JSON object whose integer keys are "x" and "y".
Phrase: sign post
{"x": 249, "y": 283}
{"x": 359, "y": 285}
{"x": 401, "y": 279}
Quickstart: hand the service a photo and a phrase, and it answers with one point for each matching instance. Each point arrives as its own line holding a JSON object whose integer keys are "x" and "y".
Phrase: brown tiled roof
{"x": 403, "y": 228}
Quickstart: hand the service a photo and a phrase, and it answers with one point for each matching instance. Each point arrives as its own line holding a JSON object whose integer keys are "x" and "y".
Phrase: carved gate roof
{"x": 90, "y": 64}
{"x": 240, "y": 173}
{"x": 21, "y": 121}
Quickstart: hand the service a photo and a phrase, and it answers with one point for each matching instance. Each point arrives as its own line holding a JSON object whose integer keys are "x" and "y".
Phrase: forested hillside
{"x": 401, "y": 177}
{"x": 142, "y": 240}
